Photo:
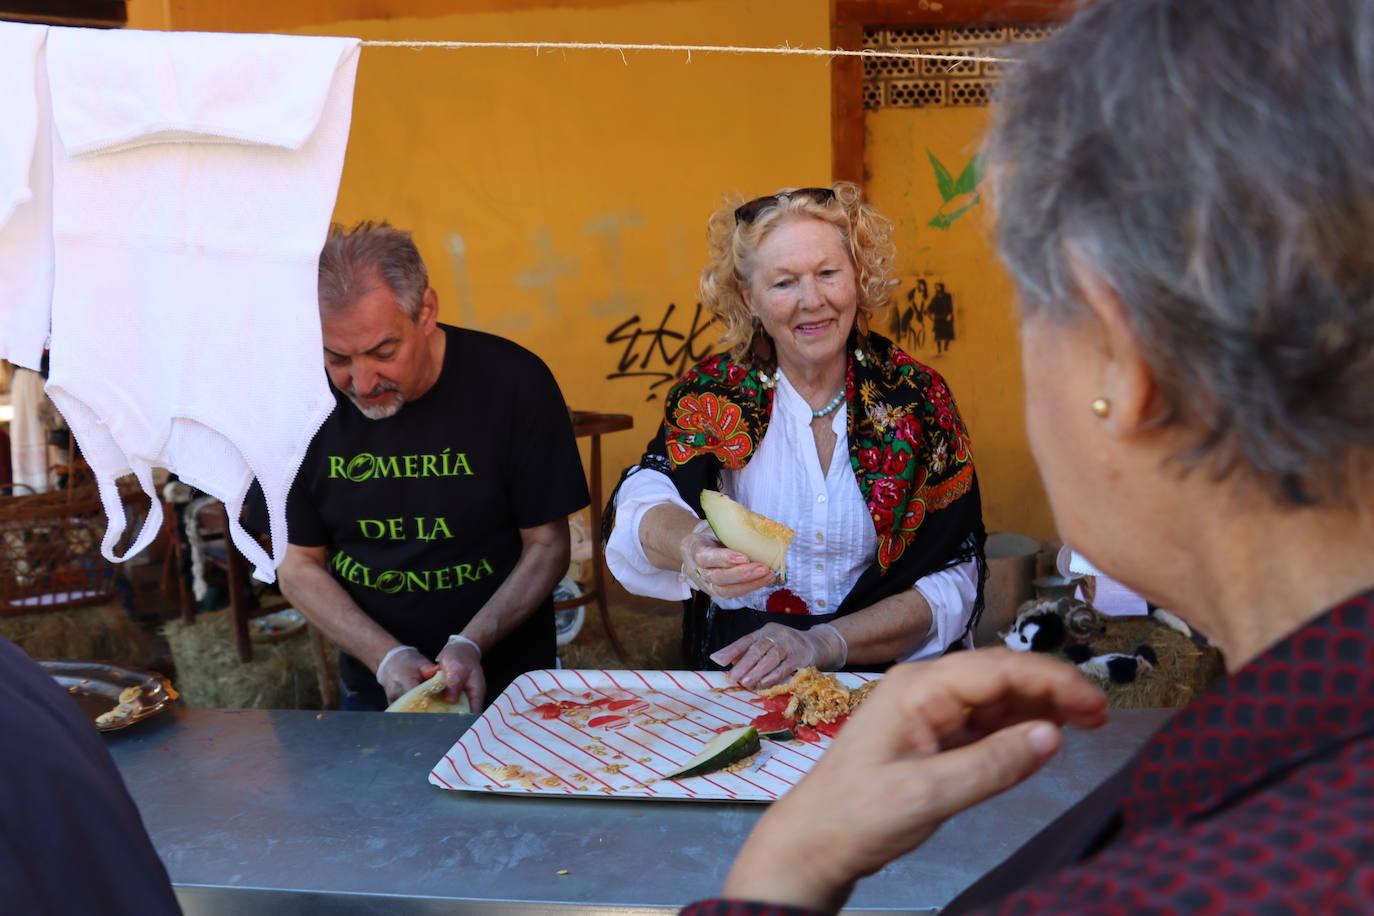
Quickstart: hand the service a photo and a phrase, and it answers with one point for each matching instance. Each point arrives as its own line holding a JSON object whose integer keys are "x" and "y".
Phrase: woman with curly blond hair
{"x": 812, "y": 420}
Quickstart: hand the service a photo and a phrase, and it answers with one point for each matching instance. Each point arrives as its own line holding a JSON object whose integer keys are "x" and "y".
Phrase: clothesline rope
{"x": 952, "y": 58}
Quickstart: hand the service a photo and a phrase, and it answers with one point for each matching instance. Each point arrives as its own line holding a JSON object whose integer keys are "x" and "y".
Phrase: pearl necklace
{"x": 829, "y": 408}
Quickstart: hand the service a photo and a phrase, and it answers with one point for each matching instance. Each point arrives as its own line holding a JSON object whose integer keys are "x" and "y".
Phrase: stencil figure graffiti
{"x": 659, "y": 353}
{"x": 941, "y": 312}
{"x": 910, "y": 329}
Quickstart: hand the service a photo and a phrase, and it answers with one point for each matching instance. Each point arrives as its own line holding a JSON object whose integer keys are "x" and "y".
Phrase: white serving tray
{"x": 642, "y": 725}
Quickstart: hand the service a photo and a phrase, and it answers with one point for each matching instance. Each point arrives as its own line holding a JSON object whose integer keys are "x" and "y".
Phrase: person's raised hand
{"x": 717, "y": 570}
{"x": 461, "y": 660}
{"x": 933, "y": 739}
{"x": 773, "y": 653}
{"x": 401, "y": 669}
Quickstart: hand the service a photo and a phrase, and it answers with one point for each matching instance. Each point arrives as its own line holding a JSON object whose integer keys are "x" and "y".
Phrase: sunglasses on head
{"x": 748, "y": 212}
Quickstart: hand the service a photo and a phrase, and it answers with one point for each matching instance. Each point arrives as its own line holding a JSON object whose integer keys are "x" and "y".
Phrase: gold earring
{"x": 1102, "y": 407}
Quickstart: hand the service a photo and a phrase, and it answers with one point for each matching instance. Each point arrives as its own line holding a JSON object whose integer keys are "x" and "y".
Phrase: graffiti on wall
{"x": 957, "y": 195}
{"x": 925, "y": 316}
{"x": 661, "y": 352}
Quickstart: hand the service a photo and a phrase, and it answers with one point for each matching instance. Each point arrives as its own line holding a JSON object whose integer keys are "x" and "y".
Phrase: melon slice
{"x": 428, "y": 696}
{"x": 721, "y": 751}
{"x": 759, "y": 538}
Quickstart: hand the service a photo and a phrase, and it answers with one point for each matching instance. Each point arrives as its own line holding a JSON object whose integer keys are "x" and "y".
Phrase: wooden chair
{"x": 596, "y": 425}
{"x": 211, "y": 523}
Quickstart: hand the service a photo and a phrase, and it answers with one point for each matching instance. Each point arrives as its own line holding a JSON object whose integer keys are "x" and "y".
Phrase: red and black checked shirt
{"x": 1257, "y": 798}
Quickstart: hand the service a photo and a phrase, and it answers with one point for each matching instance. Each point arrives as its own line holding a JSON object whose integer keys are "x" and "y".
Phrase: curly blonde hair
{"x": 867, "y": 235}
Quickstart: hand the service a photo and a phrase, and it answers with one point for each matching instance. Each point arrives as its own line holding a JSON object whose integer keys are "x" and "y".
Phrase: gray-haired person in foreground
{"x": 1186, "y": 202}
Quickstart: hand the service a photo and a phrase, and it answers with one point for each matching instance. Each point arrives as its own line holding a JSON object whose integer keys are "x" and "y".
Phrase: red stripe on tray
{"x": 541, "y": 725}
{"x": 491, "y": 733}
{"x": 440, "y": 778}
{"x": 488, "y": 779}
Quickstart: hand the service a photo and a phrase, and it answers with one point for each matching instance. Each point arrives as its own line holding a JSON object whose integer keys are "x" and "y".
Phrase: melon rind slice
{"x": 428, "y": 696}
{"x": 756, "y": 536}
{"x": 721, "y": 751}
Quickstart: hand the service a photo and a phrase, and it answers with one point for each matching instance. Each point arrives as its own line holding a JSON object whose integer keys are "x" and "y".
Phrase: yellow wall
{"x": 558, "y": 196}
{"x": 982, "y": 362}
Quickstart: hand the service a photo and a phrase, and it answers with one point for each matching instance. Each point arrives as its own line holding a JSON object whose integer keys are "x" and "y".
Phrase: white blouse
{"x": 835, "y": 541}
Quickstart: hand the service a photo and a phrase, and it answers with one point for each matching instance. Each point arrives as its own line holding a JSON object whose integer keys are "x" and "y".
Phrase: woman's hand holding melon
{"x": 717, "y": 570}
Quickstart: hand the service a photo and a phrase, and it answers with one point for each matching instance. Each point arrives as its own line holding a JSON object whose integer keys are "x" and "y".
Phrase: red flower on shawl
{"x": 713, "y": 426}
{"x": 887, "y": 492}
{"x": 894, "y": 463}
{"x": 902, "y": 358}
{"x": 882, "y": 521}
{"x": 785, "y": 601}
{"x": 868, "y": 459}
{"x": 909, "y": 430}
{"x": 945, "y": 417}
{"x": 735, "y": 373}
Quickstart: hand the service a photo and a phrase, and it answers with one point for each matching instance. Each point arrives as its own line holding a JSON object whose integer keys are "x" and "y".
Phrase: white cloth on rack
{"x": 26, "y": 256}
{"x": 194, "y": 177}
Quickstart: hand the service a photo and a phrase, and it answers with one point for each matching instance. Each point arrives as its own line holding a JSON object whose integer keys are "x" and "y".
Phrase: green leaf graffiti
{"x": 959, "y": 195}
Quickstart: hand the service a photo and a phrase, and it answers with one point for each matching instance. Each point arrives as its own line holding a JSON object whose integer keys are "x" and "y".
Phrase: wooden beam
{"x": 106, "y": 13}
{"x": 847, "y": 104}
{"x": 849, "y": 18}
{"x": 947, "y": 12}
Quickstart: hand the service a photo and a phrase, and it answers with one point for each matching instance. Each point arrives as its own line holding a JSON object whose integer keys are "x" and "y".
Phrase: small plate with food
{"x": 112, "y": 696}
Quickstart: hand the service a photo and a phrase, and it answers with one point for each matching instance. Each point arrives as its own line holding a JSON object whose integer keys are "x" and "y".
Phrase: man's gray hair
{"x": 1213, "y": 162}
{"x": 353, "y": 259}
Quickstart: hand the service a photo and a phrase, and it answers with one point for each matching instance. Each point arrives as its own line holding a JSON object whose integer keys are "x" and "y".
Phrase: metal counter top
{"x": 257, "y": 811}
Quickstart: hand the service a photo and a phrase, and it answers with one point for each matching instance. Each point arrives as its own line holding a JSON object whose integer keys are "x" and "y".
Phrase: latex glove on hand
{"x": 401, "y": 669}
{"x": 933, "y": 739}
{"x": 717, "y": 570}
{"x": 461, "y": 660}
{"x": 773, "y": 653}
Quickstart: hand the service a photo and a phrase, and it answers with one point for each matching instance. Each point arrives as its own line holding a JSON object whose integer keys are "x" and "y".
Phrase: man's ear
{"x": 1127, "y": 381}
{"x": 429, "y": 310}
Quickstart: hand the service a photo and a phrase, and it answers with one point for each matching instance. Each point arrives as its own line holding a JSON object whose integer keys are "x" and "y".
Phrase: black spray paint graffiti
{"x": 659, "y": 353}
{"x": 924, "y": 305}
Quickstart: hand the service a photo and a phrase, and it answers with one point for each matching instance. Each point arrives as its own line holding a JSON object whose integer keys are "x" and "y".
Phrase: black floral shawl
{"x": 908, "y": 447}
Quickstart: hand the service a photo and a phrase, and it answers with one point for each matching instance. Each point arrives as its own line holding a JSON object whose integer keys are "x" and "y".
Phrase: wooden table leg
{"x": 598, "y": 561}
{"x": 329, "y": 688}
{"x": 235, "y": 572}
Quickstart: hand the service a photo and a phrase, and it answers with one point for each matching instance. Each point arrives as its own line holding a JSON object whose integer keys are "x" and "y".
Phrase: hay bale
{"x": 1185, "y": 670}
{"x": 100, "y": 632}
{"x": 210, "y": 675}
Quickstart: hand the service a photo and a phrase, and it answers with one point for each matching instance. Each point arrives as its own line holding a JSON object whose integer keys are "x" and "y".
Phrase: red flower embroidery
{"x": 887, "y": 492}
{"x": 868, "y": 459}
{"x": 902, "y": 358}
{"x": 945, "y": 417}
{"x": 713, "y": 426}
{"x": 894, "y": 463}
{"x": 909, "y": 430}
{"x": 882, "y": 520}
{"x": 785, "y": 601}
{"x": 735, "y": 373}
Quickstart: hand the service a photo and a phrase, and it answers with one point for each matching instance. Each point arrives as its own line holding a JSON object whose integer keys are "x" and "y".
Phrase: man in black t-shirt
{"x": 428, "y": 523}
